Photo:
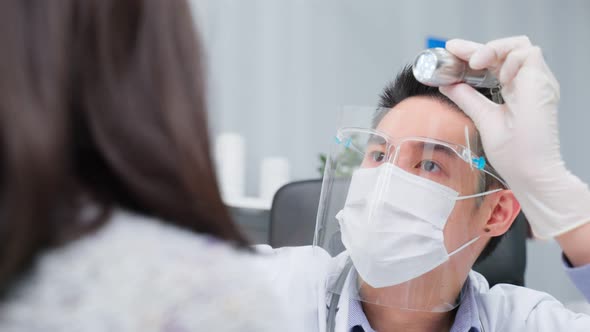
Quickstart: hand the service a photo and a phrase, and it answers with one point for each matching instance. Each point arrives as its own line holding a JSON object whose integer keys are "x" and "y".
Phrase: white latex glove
{"x": 520, "y": 137}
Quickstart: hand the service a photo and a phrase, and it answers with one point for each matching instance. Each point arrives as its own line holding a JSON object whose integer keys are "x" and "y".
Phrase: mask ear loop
{"x": 467, "y": 244}
{"x": 460, "y": 198}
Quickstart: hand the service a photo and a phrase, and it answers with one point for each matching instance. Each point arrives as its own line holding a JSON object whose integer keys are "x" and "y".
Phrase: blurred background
{"x": 280, "y": 72}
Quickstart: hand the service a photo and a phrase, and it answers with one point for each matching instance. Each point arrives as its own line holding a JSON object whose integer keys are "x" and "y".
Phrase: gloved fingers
{"x": 536, "y": 59}
{"x": 480, "y": 109}
{"x": 531, "y": 58}
{"x": 514, "y": 61}
{"x": 463, "y": 49}
{"x": 493, "y": 54}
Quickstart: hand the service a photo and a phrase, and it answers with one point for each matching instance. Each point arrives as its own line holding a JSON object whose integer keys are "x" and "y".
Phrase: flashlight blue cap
{"x": 432, "y": 42}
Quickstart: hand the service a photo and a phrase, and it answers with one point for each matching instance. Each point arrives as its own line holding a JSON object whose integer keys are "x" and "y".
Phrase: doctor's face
{"x": 424, "y": 117}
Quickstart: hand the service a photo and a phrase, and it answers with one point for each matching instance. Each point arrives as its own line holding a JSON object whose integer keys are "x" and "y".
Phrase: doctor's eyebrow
{"x": 438, "y": 147}
{"x": 376, "y": 139}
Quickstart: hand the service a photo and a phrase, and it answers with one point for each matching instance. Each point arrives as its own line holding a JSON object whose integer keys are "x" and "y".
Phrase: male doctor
{"x": 414, "y": 201}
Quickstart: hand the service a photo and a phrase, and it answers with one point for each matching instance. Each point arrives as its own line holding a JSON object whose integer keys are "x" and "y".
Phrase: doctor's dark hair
{"x": 102, "y": 106}
{"x": 405, "y": 86}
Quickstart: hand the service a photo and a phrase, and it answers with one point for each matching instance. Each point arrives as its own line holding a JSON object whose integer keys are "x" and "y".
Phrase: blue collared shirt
{"x": 466, "y": 319}
{"x": 580, "y": 276}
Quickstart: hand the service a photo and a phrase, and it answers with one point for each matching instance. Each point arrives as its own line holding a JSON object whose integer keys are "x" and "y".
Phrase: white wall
{"x": 280, "y": 70}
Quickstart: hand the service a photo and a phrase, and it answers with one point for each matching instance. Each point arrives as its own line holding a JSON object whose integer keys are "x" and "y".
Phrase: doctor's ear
{"x": 504, "y": 209}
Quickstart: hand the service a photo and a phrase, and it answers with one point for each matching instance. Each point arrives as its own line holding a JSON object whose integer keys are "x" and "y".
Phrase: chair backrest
{"x": 293, "y": 219}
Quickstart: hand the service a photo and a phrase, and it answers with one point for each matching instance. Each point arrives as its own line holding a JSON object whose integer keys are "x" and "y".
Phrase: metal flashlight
{"x": 437, "y": 66}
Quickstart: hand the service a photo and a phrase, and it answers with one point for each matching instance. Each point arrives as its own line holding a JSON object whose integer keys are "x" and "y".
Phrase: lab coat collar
{"x": 466, "y": 320}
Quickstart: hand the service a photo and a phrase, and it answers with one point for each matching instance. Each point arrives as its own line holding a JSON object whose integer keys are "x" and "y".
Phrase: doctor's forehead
{"x": 426, "y": 117}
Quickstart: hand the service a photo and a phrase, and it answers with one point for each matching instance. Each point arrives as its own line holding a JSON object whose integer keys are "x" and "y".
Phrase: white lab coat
{"x": 302, "y": 274}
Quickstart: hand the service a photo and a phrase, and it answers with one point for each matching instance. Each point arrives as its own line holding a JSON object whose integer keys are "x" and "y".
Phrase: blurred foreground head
{"x": 101, "y": 106}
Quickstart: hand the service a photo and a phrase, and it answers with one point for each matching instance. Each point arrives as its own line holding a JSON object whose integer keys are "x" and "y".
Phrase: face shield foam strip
{"x": 479, "y": 162}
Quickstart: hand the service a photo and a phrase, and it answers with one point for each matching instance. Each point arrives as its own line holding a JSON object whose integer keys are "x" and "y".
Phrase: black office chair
{"x": 293, "y": 219}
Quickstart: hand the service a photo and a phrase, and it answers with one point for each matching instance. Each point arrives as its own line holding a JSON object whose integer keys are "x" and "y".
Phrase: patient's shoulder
{"x": 140, "y": 274}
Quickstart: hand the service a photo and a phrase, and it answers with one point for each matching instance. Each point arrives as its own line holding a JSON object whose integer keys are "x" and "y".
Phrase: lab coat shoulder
{"x": 512, "y": 308}
{"x": 300, "y": 274}
{"x": 305, "y": 263}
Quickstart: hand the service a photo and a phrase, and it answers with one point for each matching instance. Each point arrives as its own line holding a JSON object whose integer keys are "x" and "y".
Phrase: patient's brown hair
{"x": 102, "y": 105}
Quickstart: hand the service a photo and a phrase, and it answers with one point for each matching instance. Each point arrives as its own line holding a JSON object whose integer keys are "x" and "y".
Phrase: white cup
{"x": 230, "y": 159}
{"x": 274, "y": 173}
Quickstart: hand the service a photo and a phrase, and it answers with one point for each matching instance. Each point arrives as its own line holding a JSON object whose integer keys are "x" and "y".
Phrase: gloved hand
{"x": 521, "y": 137}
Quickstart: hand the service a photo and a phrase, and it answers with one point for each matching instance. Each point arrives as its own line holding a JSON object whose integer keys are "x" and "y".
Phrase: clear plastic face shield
{"x": 400, "y": 202}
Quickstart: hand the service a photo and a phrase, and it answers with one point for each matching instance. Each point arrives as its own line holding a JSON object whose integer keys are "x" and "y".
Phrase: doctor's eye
{"x": 377, "y": 156}
{"x": 429, "y": 166}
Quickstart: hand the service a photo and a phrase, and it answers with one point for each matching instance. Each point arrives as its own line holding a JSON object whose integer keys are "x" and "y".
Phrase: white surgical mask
{"x": 391, "y": 235}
